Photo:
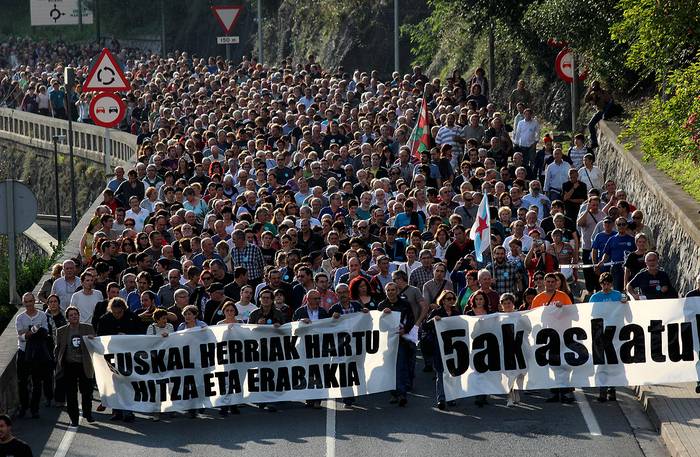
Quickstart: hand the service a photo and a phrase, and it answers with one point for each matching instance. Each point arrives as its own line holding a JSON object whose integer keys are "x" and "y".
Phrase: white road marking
{"x": 587, "y": 413}
{"x": 66, "y": 441}
{"x": 330, "y": 428}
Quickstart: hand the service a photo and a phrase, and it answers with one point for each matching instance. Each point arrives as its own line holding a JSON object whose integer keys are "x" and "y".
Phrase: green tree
{"x": 585, "y": 26}
{"x": 662, "y": 35}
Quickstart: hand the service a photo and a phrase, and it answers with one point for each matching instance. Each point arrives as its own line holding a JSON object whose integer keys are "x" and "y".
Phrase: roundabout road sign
{"x": 107, "y": 109}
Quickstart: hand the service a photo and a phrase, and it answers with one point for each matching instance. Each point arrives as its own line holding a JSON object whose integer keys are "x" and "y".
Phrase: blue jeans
{"x": 594, "y": 122}
{"x": 405, "y": 362}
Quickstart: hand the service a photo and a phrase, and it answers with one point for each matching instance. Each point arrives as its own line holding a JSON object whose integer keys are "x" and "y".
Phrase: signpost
{"x": 18, "y": 208}
{"x": 565, "y": 66}
{"x": 107, "y": 109}
{"x": 227, "y": 17}
{"x": 106, "y": 75}
{"x": 59, "y": 12}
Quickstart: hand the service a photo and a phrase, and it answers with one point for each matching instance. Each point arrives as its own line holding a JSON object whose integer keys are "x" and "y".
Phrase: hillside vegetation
{"x": 644, "y": 51}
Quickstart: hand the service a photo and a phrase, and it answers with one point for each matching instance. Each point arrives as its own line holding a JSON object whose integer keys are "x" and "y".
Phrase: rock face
{"x": 355, "y": 34}
{"x": 672, "y": 215}
{"x": 35, "y": 167}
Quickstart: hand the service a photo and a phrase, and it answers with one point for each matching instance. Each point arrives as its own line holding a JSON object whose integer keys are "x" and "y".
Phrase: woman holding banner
{"x": 446, "y": 307}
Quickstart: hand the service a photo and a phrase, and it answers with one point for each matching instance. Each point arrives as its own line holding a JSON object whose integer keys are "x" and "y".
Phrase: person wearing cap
{"x": 212, "y": 307}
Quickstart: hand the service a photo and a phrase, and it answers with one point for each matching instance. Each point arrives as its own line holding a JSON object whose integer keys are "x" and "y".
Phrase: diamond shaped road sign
{"x": 106, "y": 75}
{"x": 227, "y": 16}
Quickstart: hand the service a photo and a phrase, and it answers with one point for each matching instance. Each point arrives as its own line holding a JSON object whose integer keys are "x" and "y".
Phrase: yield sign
{"x": 227, "y": 16}
{"x": 106, "y": 75}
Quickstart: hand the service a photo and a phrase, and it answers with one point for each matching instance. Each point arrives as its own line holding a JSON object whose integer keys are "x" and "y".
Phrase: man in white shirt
{"x": 535, "y": 198}
{"x": 555, "y": 175}
{"x": 66, "y": 285}
{"x": 590, "y": 174}
{"x": 449, "y": 134}
{"x": 527, "y": 134}
{"x": 30, "y": 324}
{"x": 86, "y": 299}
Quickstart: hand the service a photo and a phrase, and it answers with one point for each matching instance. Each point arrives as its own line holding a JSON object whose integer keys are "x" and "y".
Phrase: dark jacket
{"x": 303, "y": 313}
{"x": 275, "y": 316}
{"x": 128, "y": 325}
{"x": 62, "y": 342}
{"x": 355, "y": 307}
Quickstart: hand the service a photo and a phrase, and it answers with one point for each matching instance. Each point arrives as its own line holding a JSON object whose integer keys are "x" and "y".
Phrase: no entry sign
{"x": 107, "y": 109}
{"x": 564, "y": 66}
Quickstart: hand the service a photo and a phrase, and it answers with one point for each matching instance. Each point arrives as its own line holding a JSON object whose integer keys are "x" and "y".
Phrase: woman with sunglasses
{"x": 445, "y": 308}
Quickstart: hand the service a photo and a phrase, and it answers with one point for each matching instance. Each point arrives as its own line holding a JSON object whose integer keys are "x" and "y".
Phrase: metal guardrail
{"x": 90, "y": 142}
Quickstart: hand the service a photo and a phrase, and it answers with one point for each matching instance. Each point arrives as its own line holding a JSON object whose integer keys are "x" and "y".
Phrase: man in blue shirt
{"x": 607, "y": 295}
{"x": 57, "y": 98}
{"x": 410, "y": 217}
{"x": 600, "y": 240}
{"x": 616, "y": 249}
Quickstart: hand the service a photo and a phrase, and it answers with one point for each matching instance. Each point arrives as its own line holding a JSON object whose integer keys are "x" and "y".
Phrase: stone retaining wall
{"x": 673, "y": 216}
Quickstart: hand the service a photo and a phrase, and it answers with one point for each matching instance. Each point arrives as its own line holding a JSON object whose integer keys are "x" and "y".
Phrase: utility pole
{"x": 492, "y": 60}
{"x": 574, "y": 95}
{"x": 80, "y": 14}
{"x": 69, "y": 80}
{"x": 96, "y": 14}
{"x": 260, "y": 33}
{"x": 162, "y": 28}
{"x": 396, "y": 35}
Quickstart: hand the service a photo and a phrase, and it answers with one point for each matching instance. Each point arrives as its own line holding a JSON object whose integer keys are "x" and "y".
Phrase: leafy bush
{"x": 668, "y": 132}
{"x": 29, "y": 272}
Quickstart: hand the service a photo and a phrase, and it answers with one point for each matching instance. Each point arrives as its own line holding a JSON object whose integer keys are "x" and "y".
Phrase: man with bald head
{"x": 67, "y": 284}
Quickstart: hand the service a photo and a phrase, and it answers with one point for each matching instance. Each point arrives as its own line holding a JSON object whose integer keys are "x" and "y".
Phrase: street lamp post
{"x": 56, "y": 139}
{"x": 260, "y": 33}
{"x": 69, "y": 79}
{"x": 396, "y": 35}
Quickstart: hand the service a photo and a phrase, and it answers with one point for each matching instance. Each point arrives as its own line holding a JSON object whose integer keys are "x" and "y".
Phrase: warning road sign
{"x": 107, "y": 109}
{"x": 106, "y": 75}
{"x": 227, "y": 16}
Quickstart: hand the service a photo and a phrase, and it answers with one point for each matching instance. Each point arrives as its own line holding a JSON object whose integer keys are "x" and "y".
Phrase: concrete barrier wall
{"x": 35, "y": 131}
{"x": 673, "y": 215}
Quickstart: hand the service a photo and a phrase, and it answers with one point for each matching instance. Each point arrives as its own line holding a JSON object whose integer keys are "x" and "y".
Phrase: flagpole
{"x": 493, "y": 262}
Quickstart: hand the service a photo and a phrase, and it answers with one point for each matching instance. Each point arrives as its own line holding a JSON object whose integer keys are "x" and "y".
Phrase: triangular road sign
{"x": 106, "y": 75}
{"x": 227, "y": 16}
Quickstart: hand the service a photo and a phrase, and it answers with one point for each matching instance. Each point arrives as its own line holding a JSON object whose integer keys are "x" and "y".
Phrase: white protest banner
{"x": 584, "y": 345}
{"x": 230, "y": 364}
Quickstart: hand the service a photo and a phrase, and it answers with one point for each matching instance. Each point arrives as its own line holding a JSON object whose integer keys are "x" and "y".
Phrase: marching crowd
{"x": 290, "y": 193}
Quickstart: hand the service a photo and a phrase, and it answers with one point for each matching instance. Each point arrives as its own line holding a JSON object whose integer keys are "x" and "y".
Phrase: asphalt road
{"x": 372, "y": 427}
